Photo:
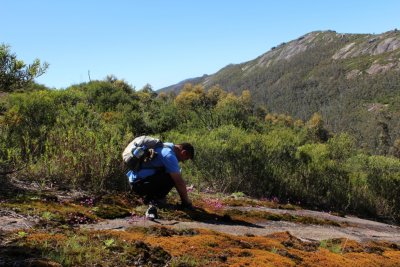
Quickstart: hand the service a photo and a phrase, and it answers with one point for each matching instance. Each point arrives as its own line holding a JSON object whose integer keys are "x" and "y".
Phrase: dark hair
{"x": 189, "y": 148}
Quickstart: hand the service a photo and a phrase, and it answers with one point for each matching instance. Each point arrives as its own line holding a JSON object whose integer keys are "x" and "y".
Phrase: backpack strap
{"x": 151, "y": 157}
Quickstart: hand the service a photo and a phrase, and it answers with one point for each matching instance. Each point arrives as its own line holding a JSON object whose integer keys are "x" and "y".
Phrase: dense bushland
{"x": 73, "y": 138}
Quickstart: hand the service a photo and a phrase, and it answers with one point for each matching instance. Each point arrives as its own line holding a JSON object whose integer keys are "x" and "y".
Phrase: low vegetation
{"x": 73, "y": 139}
{"x": 199, "y": 248}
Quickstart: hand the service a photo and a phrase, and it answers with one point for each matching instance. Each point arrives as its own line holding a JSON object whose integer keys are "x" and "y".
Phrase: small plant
{"x": 238, "y": 194}
{"x": 187, "y": 261}
{"x": 87, "y": 202}
{"x": 333, "y": 246}
{"x": 108, "y": 242}
{"x": 22, "y": 234}
{"x": 47, "y": 215}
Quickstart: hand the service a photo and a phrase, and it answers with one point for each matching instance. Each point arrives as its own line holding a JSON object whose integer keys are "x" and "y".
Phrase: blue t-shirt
{"x": 165, "y": 158}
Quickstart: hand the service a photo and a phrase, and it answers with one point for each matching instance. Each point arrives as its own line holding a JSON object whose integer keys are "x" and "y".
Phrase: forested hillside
{"x": 352, "y": 80}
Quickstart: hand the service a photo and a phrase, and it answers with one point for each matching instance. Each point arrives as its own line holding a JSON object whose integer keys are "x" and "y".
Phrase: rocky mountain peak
{"x": 356, "y": 54}
{"x": 288, "y": 50}
{"x": 370, "y": 45}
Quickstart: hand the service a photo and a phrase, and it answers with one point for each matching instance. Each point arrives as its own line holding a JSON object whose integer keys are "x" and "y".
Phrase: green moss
{"x": 164, "y": 231}
{"x": 188, "y": 261}
{"x": 105, "y": 211}
{"x": 111, "y": 206}
{"x": 264, "y": 215}
{"x": 78, "y": 248}
{"x": 141, "y": 254}
{"x": 333, "y": 245}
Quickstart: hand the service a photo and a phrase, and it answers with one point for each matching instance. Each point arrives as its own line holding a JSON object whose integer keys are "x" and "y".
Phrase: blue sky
{"x": 164, "y": 42}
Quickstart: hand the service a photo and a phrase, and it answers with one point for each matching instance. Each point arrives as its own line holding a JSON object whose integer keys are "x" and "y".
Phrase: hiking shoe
{"x": 151, "y": 213}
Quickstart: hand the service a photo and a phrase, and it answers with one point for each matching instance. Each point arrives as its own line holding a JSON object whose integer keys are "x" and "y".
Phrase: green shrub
{"x": 230, "y": 159}
{"x": 83, "y": 151}
{"x": 383, "y": 177}
{"x": 28, "y": 119}
{"x": 75, "y": 138}
{"x": 318, "y": 179}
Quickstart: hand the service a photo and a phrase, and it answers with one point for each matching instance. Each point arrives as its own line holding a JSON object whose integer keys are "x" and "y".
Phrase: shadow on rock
{"x": 8, "y": 189}
{"x": 23, "y": 256}
{"x": 201, "y": 215}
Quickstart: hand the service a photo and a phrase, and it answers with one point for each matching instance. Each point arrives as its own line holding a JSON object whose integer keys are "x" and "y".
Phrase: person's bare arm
{"x": 180, "y": 186}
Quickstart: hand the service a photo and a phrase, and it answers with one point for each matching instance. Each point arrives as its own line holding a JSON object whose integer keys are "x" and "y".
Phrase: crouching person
{"x": 155, "y": 173}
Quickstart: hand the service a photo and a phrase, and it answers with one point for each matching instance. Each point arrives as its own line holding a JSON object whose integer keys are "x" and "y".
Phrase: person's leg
{"x": 154, "y": 187}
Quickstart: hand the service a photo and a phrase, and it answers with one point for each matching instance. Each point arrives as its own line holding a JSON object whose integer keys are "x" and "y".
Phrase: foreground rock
{"x": 357, "y": 229}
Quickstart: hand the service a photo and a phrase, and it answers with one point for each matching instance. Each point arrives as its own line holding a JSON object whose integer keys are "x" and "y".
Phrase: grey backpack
{"x": 140, "y": 150}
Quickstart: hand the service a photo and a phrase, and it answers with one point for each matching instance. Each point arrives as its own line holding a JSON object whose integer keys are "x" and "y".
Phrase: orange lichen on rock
{"x": 45, "y": 237}
{"x": 203, "y": 247}
{"x": 258, "y": 258}
{"x": 279, "y": 249}
{"x": 323, "y": 257}
{"x": 218, "y": 248}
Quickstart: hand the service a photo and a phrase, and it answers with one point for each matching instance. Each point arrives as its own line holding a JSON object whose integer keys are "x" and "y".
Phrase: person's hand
{"x": 186, "y": 205}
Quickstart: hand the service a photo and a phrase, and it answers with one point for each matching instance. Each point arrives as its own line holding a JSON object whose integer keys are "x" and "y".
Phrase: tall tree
{"x": 14, "y": 73}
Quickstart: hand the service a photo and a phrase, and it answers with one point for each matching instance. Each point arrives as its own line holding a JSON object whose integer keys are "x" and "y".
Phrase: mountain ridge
{"x": 357, "y": 45}
{"x": 341, "y": 76}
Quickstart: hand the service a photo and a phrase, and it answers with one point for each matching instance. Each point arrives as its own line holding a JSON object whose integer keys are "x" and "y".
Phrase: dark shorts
{"x": 154, "y": 187}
